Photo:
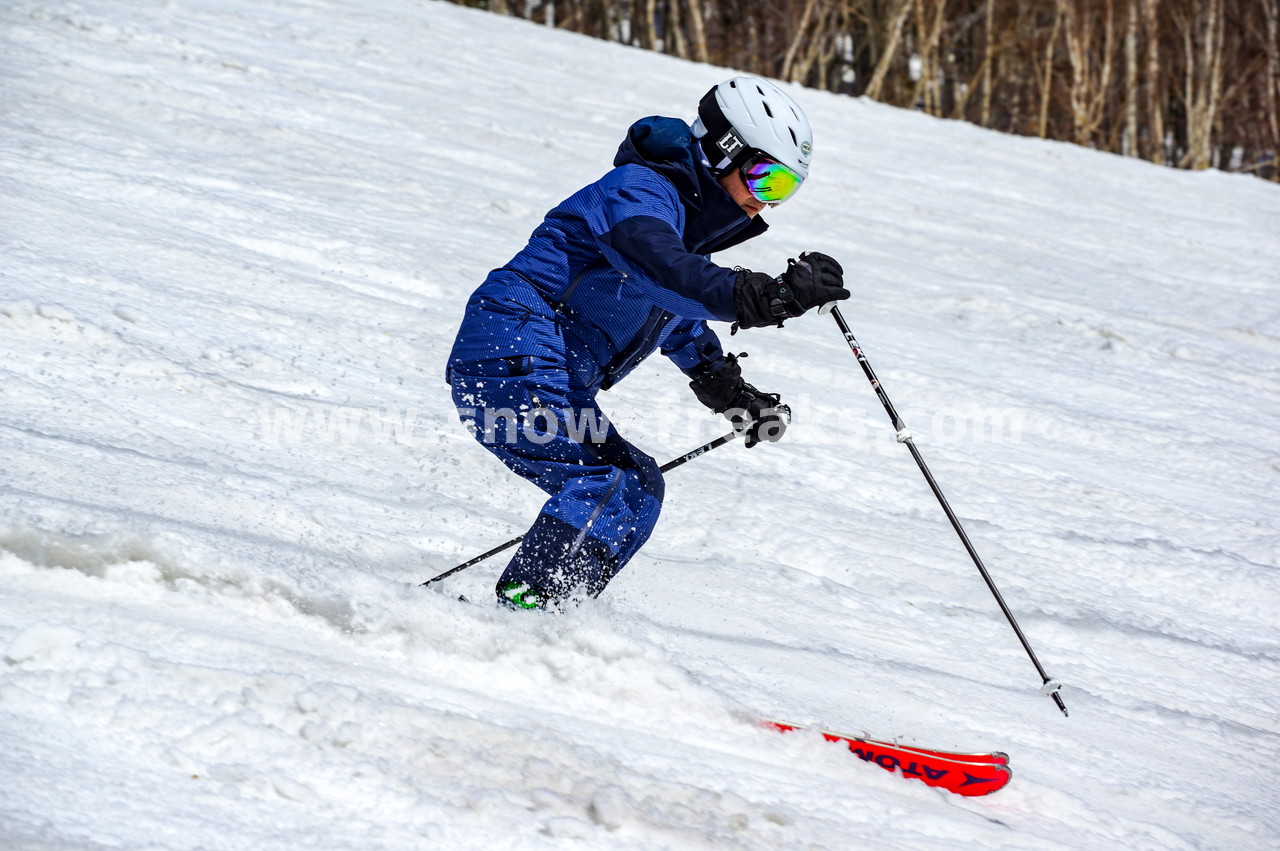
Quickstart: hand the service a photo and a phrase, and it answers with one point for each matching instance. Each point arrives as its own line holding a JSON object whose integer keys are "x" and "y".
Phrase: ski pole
{"x": 1050, "y": 687}
{"x": 670, "y": 465}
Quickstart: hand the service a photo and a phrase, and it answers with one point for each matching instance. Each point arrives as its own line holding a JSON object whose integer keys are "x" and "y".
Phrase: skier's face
{"x": 741, "y": 195}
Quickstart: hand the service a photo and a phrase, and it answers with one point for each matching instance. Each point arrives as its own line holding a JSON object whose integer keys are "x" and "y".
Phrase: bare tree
{"x": 1046, "y": 94}
{"x": 876, "y": 85}
{"x": 698, "y": 31}
{"x": 1201, "y": 32}
{"x": 1271, "y": 86}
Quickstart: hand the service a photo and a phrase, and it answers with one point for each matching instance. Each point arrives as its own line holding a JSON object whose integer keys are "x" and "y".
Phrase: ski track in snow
{"x": 237, "y": 240}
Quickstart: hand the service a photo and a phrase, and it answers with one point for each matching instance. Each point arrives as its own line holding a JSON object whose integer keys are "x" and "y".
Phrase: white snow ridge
{"x": 238, "y": 236}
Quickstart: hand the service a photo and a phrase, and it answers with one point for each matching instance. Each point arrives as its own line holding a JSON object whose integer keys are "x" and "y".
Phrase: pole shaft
{"x": 667, "y": 467}
{"x": 904, "y": 436}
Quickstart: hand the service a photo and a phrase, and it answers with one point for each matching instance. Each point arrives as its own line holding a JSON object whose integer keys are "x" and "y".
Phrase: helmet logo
{"x": 730, "y": 143}
{"x": 806, "y": 148}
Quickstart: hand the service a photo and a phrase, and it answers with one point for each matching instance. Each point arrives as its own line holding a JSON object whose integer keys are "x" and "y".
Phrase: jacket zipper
{"x": 641, "y": 344}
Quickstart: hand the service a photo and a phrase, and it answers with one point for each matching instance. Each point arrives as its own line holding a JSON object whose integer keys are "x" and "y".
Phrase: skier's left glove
{"x": 810, "y": 281}
{"x": 756, "y": 415}
{"x": 759, "y": 416}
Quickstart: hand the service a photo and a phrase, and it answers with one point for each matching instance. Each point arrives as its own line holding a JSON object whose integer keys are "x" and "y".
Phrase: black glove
{"x": 757, "y": 415}
{"x": 813, "y": 280}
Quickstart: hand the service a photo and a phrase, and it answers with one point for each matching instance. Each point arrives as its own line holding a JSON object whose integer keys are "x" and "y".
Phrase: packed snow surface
{"x": 237, "y": 239}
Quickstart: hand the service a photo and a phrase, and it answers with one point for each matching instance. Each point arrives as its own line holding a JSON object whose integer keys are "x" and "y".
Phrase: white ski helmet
{"x": 750, "y": 114}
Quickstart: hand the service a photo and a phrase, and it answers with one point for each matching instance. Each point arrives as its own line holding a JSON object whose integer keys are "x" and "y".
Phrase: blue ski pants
{"x": 604, "y": 494}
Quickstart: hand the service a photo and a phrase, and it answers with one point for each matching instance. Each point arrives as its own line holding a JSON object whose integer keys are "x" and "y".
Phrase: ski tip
{"x": 978, "y": 787}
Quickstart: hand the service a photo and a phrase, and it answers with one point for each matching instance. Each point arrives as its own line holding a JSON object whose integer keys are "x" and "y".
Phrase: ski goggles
{"x": 769, "y": 180}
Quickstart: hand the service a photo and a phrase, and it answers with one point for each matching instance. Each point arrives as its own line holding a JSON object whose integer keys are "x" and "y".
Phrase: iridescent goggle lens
{"x": 770, "y": 181}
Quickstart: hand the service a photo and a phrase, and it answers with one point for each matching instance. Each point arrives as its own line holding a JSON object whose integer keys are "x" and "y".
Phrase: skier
{"x": 614, "y": 272}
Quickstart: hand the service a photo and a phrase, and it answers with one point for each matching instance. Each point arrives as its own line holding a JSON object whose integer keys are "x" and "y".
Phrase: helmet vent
{"x": 767, "y": 110}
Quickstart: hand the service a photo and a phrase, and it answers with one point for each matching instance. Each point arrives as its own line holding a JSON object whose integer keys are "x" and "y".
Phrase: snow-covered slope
{"x": 237, "y": 238}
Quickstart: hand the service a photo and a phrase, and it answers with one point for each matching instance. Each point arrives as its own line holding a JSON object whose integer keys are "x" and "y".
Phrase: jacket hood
{"x": 667, "y": 145}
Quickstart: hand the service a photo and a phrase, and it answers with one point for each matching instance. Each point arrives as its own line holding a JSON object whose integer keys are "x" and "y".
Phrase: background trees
{"x": 1188, "y": 83}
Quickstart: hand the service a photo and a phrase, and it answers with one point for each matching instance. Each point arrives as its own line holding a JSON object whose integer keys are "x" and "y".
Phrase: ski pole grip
{"x": 824, "y": 309}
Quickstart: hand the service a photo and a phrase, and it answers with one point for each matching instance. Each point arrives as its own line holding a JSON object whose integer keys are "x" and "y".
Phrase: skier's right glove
{"x": 757, "y": 415}
{"x": 811, "y": 281}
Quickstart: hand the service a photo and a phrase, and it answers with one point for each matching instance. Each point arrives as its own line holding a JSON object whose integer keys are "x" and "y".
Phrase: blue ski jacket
{"x": 618, "y": 269}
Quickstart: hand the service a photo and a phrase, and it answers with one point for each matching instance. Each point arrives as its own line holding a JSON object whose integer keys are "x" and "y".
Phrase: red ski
{"x": 969, "y": 774}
